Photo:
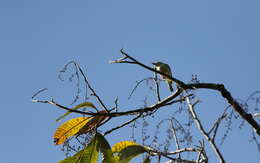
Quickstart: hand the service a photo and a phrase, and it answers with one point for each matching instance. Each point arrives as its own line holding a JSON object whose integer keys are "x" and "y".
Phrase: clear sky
{"x": 217, "y": 40}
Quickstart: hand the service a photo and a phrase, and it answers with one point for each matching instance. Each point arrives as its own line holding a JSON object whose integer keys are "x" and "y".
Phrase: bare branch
{"x": 137, "y": 84}
{"x": 219, "y": 87}
{"x": 37, "y": 93}
{"x": 89, "y": 86}
{"x": 203, "y": 132}
{"x": 227, "y": 95}
{"x": 62, "y": 107}
{"x": 116, "y": 114}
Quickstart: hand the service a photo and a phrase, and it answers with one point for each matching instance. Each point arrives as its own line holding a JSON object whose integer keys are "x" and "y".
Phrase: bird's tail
{"x": 170, "y": 86}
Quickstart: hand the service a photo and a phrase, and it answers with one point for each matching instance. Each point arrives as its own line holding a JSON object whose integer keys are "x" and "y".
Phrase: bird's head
{"x": 157, "y": 63}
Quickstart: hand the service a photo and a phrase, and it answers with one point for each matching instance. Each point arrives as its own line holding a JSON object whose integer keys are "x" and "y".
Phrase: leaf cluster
{"x": 122, "y": 152}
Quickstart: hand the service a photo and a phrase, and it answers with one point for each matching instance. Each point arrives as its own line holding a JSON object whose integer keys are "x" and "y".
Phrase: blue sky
{"x": 217, "y": 40}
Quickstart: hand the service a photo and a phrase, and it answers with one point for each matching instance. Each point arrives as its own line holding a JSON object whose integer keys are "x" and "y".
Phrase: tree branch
{"x": 203, "y": 132}
{"x": 152, "y": 107}
{"x": 124, "y": 124}
{"x": 235, "y": 105}
{"x": 219, "y": 87}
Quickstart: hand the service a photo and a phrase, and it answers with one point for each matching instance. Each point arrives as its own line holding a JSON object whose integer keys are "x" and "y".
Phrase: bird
{"x": 164, "y": 68}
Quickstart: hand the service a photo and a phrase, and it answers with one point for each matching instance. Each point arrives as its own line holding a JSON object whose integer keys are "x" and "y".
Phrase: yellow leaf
{"x": 84, "y": 104}
{"x": 69, "y": 128}
{"x": 122, "y": 145}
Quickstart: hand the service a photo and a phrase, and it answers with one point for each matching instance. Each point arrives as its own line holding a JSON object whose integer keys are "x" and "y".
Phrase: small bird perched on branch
{"x": 164, "y": 68}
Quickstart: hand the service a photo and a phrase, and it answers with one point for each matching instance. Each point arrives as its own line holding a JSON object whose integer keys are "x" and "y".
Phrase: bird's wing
{"x": 169, "y": 72}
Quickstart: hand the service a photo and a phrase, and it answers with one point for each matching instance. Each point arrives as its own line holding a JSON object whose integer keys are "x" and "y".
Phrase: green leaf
{"x": 84, "y": 104}
{"x": 73, "y": 159}
{"x": 90, "y": 154}
{"x": 87, "y": 155}
{"x": 105, "y": 149}
{"x": 128, "y": 153}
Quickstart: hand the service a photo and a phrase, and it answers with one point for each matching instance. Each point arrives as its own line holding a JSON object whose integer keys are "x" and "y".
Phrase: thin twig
{"x": 63, "y": 70}
{"x": 137, "y": 84}
{"x": 175, "y": 138}
{"x": 40, "y": 91}
{"x": 216, "y": 124}
{"x": 92, "y": 90}
{"x": 122, "y": 125}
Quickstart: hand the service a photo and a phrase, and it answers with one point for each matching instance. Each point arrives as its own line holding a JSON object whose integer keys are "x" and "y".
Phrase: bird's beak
{"x": 154, "y": 63}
